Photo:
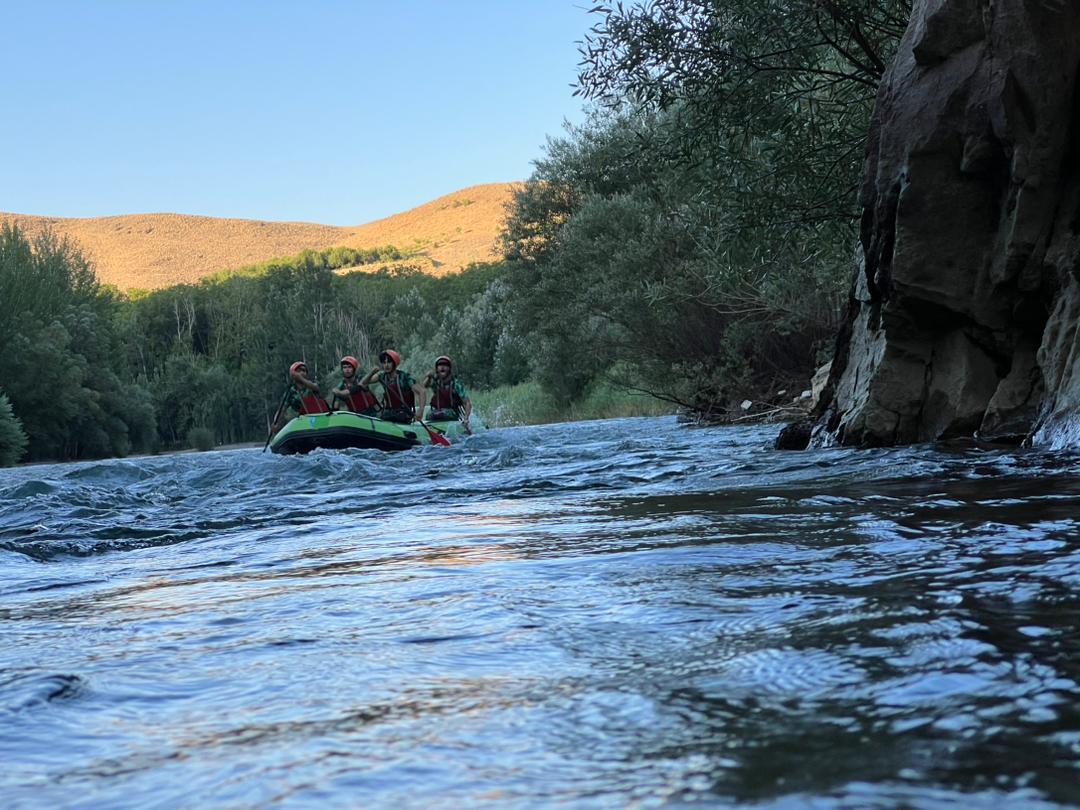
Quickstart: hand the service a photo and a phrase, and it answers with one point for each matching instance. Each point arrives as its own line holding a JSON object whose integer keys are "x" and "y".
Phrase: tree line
{"x": 89, "y": 372}
{"x": 692, "y": 240}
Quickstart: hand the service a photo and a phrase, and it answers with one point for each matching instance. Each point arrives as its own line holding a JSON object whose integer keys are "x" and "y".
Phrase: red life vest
{"x": 310, "y": 402}
{"x": 361, "y": 400}
{"x": 395, "y": 396}
{"x": 444, "y": 398}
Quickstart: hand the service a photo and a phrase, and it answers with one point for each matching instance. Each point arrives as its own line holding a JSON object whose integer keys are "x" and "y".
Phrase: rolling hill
{"x": 151, "y": 251}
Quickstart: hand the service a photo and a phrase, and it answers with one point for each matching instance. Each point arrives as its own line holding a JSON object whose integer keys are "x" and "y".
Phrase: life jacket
{"x": 394, "y": 396}
{"x": 310, "y": 402}
{"x": 361, "y": 399}
{"x": 444, "y": 398}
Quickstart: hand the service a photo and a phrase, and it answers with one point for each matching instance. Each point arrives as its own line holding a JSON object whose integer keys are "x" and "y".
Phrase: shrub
{"x": 201, "y": 438}
{"x": 603, "y": 400}
{"x": 523, "y": 404}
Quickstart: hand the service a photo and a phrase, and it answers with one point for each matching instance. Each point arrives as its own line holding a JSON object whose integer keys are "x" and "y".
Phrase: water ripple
{"x": 597, "y": 614}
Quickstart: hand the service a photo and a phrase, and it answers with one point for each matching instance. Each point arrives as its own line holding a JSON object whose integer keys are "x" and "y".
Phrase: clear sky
{"x": 334, "y": 112}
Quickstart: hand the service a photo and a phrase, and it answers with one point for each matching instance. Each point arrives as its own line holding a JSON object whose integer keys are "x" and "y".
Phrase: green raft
{"x": 343, "y": 429}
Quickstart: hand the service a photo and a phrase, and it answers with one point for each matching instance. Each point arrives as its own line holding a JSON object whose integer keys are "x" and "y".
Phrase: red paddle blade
{"x": 436, "y": 437}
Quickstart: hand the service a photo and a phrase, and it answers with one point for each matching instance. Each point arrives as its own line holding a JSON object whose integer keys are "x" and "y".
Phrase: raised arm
{"x": 304, "y": 381}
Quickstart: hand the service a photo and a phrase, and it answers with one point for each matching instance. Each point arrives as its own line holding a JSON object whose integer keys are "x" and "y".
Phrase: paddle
{"x": 277, "y": 413}
{"x": 436, "y": 437}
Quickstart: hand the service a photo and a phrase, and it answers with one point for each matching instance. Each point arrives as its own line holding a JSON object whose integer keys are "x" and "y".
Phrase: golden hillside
{"x": 446, "y": 234}
{"x": 158, "y": 250}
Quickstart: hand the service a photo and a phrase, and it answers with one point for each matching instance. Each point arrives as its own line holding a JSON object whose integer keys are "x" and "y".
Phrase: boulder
{"x": 795, "y": 436}
{"x": 963, "y": 314}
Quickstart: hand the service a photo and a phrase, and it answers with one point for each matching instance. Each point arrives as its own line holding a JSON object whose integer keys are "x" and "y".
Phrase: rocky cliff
{"x": 963, "y": 315}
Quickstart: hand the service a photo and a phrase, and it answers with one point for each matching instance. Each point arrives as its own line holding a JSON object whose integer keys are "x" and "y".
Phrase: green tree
{"x": 653, "y": 273}
{"x": 779, "y": 91}
{"x": 12, "y": 436}
{"x": 64, "y": 367}
{"x": 693, "y": 237}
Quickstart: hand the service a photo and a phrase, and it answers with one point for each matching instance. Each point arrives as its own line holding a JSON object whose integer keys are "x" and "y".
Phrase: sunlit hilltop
{"x": 151, "y": 251}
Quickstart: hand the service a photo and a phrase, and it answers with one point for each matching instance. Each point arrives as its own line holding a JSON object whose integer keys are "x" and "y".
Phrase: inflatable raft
{"x": 343, "y": 429}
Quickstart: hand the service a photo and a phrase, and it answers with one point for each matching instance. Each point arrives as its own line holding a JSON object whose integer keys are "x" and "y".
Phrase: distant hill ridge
{"x": 151, "y": 251}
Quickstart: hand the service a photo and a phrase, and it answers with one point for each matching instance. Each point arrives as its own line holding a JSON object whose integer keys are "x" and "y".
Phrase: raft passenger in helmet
{"x": 449, "y": 402}
{"x": 353, "y": 394}
{"x": 302, "y": 396}
{"x": 403, "y": 397}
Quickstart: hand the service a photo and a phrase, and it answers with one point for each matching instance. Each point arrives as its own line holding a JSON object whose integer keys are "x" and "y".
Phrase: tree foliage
{"x": 63, "y": 362}
{"x": 12, "y": 436}
{"x": 779, "y": 91}
{"x": 93, "y": 373}
{"x": 214, "y": 355}
{"x": 696, "y": 231}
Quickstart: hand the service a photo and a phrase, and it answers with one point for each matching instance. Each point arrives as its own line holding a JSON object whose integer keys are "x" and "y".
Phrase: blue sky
{"x": 332, "y": 112}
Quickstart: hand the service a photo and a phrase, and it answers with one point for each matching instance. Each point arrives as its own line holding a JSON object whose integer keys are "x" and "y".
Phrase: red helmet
{"x": 443, "y": 360}
{"x": 392, "y": 356}
{"x": 295, "y": 367}
{"x": 352, "y": 361}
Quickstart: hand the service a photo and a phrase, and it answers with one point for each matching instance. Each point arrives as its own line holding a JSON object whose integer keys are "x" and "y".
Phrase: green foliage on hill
{"x": 335, "y": 258}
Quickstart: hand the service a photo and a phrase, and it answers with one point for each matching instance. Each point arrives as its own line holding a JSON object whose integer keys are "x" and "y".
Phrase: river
{"x": 607, "y": 614}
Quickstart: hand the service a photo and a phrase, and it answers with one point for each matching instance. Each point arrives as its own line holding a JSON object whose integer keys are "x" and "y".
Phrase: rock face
{"x": 964, "y": 311}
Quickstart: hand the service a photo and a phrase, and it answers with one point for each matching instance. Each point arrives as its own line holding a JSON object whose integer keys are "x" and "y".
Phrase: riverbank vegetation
{"x": 698, "y": 229}
{"x": 92, "y": 372}
{"x": 688, "y": 246}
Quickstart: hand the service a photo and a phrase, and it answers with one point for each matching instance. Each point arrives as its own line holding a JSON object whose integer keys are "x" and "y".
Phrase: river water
{"x": 608, "y": 614}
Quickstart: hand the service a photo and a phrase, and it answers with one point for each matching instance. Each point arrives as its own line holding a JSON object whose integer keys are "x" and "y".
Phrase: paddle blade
{"x": 436, "y": 437}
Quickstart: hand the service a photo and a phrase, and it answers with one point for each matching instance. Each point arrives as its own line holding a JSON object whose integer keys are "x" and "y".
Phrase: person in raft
{"x": 401, "y": 392}
{"x": 352, "y": 393}
{"x": 449, "y": 402}
{"x": 301, "y": 396}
